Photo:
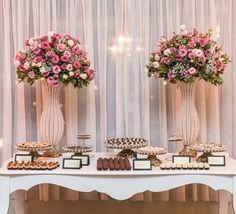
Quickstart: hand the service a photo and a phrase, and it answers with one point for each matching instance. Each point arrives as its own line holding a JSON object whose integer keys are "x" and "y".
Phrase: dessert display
{"x": 39, "y": 165}
{"x": 113, "y": 164}
{"x": 184, "y": 166}
{"x": 152, "y": 152}
{"x": 126, "y": 144}
{"x": 79, "y": 149}
{"x": 207, "y": 149}
{"x": 33, "y": 147}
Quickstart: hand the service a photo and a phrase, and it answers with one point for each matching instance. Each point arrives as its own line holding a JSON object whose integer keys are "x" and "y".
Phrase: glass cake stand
{"x": 126, "y": 145}
{"x": 152, "y": 154}
{"x": 174, "y": 139}
{"x": 207, "y": 149}
{"x": 33, "y": 148}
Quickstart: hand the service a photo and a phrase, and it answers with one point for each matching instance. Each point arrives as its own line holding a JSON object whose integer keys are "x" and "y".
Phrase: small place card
{"x": 69, "y": 163}
{"x": 216, "y": 160}
{"x": 24, "y": 157}
{"x": 141, "y": 156}
{"x": 84, "y": 158}
{"x": 139, "y": 164}
{"x": 181, "y": 159}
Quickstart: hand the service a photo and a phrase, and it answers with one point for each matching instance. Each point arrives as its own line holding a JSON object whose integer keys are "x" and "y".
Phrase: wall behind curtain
{"x": 122, "y": 101}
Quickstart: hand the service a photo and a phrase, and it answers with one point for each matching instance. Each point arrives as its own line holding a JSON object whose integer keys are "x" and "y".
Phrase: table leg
{"x": 224, "y": 198}
{"x": 234, "y": 193}
{"x": 19, "y": 196}
{"x": 4, "y": 194}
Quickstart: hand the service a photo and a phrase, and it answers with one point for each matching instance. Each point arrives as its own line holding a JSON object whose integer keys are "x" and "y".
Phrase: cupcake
{"x": 162, "y": 166}
{"x": 185, "y": 166}
{"x": 173, "y": 166}
{"x": 167, "y": 166}
{"x": 206, "y": 166}
{"x": 178, "y": 166}
{"x": 195, "y": 166}
{"x": 200, "y": 165}
{"x": 190, "y": 166}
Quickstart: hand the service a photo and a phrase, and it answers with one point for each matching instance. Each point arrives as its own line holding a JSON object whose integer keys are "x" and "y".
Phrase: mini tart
{"x": 167, "y": 166}
{"x": 195, "y": 165}
{"x": 173, "y": 166}
{"x": 190, "y": 166}
{"x": 206, "y": 166}
{"x": 201, "y": 165}
{"x": 178, "y": 166}
{"x": 162, "y": 166}
{"x": 184, "y": 166}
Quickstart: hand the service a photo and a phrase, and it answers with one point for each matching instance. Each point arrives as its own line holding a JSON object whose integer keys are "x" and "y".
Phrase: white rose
{"x": 65, "y": 76}
{"x": 156, "y": 64}
{"x": 16, "y": 63}
{"x": 26, "y": 65}
{"x": 51, "y": 33}
{"x": 23, "y": 51}
{"x": 182, "y": 27}
{"x": 184, "y": 32}
{"x": 71, "y": 74}
{"x": 42, "y": 70}
{"x": 167, "y": 52}
{"x": 33, "y": 64}
{"x": 39, "y": 64}
{"x": 83, "y": 76}
{"x": 162, "y": 39}
{"x": 198, "y": 52}
{"x": 71, "y": 42}
{"x": 157, "y": 57}
{"x": 31, "y": 41}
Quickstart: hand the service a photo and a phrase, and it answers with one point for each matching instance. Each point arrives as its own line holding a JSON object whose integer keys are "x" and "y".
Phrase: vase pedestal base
{"x": 187, "y": 151}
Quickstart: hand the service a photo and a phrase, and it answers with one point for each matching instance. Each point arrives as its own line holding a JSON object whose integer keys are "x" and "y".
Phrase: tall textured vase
{"x": 189, "y": 121}
{"x": 52, "y": 122}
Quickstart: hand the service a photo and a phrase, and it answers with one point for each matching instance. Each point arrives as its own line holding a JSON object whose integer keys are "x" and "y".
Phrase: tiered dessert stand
{"x": 79, "y": 149}
{"x": 127, "y": 145}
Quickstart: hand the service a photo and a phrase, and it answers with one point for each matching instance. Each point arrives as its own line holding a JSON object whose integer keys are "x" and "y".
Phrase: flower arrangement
{"x": 56, "y": 58}
{"x": 188, "y": 56}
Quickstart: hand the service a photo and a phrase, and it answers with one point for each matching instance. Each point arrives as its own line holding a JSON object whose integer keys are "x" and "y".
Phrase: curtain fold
{"x": 121, "y": 101}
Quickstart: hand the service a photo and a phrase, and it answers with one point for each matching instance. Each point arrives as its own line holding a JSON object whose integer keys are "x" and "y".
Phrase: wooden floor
{"x": 120, "y": 207}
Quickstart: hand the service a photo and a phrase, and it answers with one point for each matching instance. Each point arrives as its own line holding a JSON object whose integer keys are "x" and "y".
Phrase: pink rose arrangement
{"x": 188, "y": 56}
{"x": 56, "y": 58}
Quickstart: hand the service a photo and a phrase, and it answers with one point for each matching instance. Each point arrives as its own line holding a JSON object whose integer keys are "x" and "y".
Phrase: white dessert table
{"x": 118, "y": 184}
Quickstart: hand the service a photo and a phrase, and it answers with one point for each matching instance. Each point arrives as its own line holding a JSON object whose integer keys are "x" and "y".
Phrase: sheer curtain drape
{"x": 122, "y": 101}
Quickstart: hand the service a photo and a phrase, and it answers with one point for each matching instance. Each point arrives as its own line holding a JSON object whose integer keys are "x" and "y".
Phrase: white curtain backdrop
{"x": 122, "y": 101}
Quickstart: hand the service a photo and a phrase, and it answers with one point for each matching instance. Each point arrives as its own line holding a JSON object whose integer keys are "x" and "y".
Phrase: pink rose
{"x": 63, "y": 66}
{"x": 182, "y": 47}
{"x": 182, "y": 52}
{"x": 83, "y": 53}
{"x": 53, "y": 81}
{"x": 44, "y": 39}
{"x": 68, "y": 36}
{"x": 55, "y": 59}
{"x": 208, "y": 52}
{"x": 31, "y": 74}
{"x": 50, "y": 53}
{"x": 69, "y": 67}
{"x": 44, "y": 45}
{"x": 77, "y": 64}
{"x": 18, "y": 58}
{"x": 33, "y": 47}
{"x": 46, "y": 73}
{"x": 67, "y": 54}
{"x": 27, "y": 43}
{"x": 75, "y": 49}
{"x": 38, "y": 59}
{"x": 37, "y": 51}
{"x": 56, "y": 36}
{"x": 192, "y": 70}
{"x": 178, "y": 57}
{"x": 173, "y": 50}
{"x": 189, "y": 34}
{"x": 202, "y": 58}
{"x": 91, "y": 74}
{"x": 61, "y": 47}
{"x": 221, "y": 66}
{"x": 77, "y": 73}
{"x": 214, "y": 70}
{"x": 203, "y": 41}
{"x": 64, "y": 58}
{"x": 56, "y": 69}
{"x": 191, "y": 44}
{"x": 191, "y": 55}
{"x": 165, "y": 61}
{"x": 21, "y": 68}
